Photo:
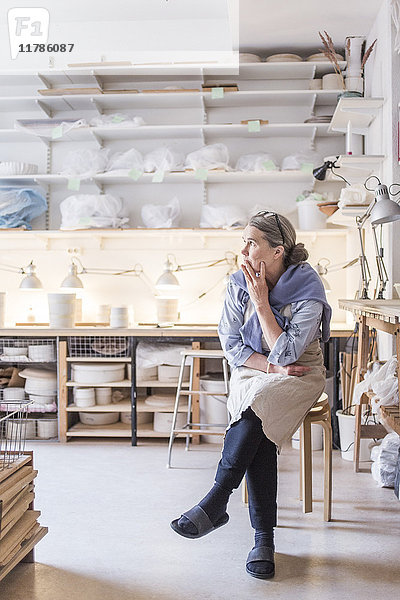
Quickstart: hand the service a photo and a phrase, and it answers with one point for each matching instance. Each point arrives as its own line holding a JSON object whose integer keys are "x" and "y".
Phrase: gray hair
{"x": 277, "y": 230}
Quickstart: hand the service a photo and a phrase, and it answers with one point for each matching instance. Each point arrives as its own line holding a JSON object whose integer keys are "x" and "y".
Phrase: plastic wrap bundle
{"x": 131, "y": 159}
{"x": 164, "y": 159}
{"x": 19, "y": 206}
{"x": 162, "y": 215}
{"x": 90, "y": 210}
{"x": 256, "y": 162}
{"x": 293, "y": 162}
{"x": 150, "y": 355}
{"x": 222, "y": 216}
{"x": 116, "y": 119}
{"x": 382, "y": 381}
{"x": 214, "y": 156}
{"x": 355, "y": 194}
{"x": 85, "y": 162}
{"x": 385, "y": 459}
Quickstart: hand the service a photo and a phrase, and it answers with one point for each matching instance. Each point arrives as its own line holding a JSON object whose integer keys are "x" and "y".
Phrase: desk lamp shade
{"x": 385, "y": 209}
{"x": 72, "y": 280}
{"x": 31, "y": 281}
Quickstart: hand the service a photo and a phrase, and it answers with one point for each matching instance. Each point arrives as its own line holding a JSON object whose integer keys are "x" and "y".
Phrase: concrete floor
{"x": 108, "y": 508}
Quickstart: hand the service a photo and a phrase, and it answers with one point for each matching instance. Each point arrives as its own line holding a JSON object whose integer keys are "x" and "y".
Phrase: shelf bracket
{"x": 99, "y": 185}
{"x": 43, "y": 106}
{"x": 312, "y": 108}
{"x": 312, "y": 140}
{"x": 97, "y": 139}
{"x": 97, "y": 78}
{"x": 97, "y": 106}
{"x": 44, "y": 80}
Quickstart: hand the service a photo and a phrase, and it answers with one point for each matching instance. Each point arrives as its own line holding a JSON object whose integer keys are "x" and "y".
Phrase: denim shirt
{"x": 299, "y": 331}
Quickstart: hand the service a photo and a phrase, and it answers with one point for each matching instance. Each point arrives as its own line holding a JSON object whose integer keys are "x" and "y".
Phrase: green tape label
{"x": 307, "y": 168}
{"x": 269, "y": 165}
{"x": 158, "y": 176}
{"x": 117, "y": 118}
{"x": 135, "y": 174}
{"x": 56, "y": 132}
{"x": 217, "y": 92}
{"x": 254, "y": 126}
{"x": 201, "y": 173}
{"x": 74, "y": 184}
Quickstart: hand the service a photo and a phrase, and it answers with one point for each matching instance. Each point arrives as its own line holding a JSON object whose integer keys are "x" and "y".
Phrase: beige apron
{"x": 280, "y": 401}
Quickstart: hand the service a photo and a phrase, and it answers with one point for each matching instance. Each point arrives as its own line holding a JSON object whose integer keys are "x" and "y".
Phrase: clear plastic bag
{"x": 18, "y": 206}
{"x": 257, "y": 162}
{"x": 164, "y": 159}
{"x": 214, "y": 156}
{"x": 293, "y": 162}
{"x": 151, "y": 355}
{"x": 131, "y": 159}
{"x": 85, "y": 162}
{"x": 162, "y": 215}
{"x": 355, "y": 194}
{"x": 222, "y": 216}
{"x": 384, "y": 467}
{"x": 382, "y": 380}
{"x": 90, "y": 210}
{"x": 116, "y": 119}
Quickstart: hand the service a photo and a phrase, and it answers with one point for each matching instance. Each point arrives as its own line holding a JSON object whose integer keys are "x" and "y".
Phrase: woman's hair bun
{"x": 296, "y": 254}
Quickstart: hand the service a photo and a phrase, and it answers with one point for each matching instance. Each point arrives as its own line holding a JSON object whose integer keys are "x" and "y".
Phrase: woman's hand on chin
{"x": 256, "y": 284}
{"x": 294, "y": 370}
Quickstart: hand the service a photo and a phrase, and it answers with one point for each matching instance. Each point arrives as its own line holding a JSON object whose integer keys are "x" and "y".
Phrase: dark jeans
{"x": 248, "y": 451}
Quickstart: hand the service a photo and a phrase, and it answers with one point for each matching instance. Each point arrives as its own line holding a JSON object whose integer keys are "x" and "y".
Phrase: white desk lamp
{"x": 30, "y": 281}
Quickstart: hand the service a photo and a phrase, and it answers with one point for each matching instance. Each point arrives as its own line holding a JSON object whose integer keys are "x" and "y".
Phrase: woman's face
{"x": 257, "y": 249}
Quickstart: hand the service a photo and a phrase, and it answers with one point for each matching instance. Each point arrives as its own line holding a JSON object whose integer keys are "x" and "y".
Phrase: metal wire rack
{"x": 13, "y": 432}
{"x": 21, "y": 350}
{"x": 99, "y": 346}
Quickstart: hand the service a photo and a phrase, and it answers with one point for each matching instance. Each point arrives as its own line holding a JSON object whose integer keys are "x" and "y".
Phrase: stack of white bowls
{"x": 170, "y": 373}
{"x": 40, "y": 382}
{"x": 84, "y": 397}
{"x": 103, "y": 313}
{"x": 47, "y": 428}
{"x": 61, "y": 310}
{"x": 13, "y": 394}
{"x": 103, "y": 396}
{"x": 119, "y": 316}
{"x": 98, "y": 372}
{"x": 41, "y": 352}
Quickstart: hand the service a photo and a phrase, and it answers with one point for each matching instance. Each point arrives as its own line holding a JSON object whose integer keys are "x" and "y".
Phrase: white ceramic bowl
{"x": 141, "y": 418}
{"x": 332, "y": 81}
{"x": 14, "y": 351}
{"x": 40, "y": 387}
{"x": 33, "y": 373}
{"x": 103, "y": 396}
{"x": 42, "y": 399}
{"x": 147, "y": 373}
{"x": 84, "y": 397}
{"x": 284, "y": 58}
{"x": 98, "y": 372}
{"x": 161, "y": 401}
{"x": 47, "y": 428}
{"x": 163, "y": 421}
{"x": 13, "y": 393}
{"x": 170, "y": 373}
{"x": 90, "y": 418}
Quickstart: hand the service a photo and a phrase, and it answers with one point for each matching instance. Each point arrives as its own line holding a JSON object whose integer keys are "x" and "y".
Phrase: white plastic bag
{"x": 222, "y": 216}
{"x": 382, "y": 381}
{"x": 151, "y": 355}
{"x": 116, "y": 120}
{"x": 159, "y": 215}
{"x": 384, "y": 467}
{"x": 85, "y": 162}
{"x": 214, "y": 156}
{"x": 131, "y": 159}
{"x": 84, "y": 211}
{"x": 355, "y": 194}
{"x": 164, "y": 159}
{"x": 257, "y": 162}
{"x": 293, "y": 162}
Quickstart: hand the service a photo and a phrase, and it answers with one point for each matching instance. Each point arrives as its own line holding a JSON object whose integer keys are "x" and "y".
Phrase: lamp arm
{"x": 12, "y": 269}
{"x": 382, "y": 273}
{"x": 365, "y": 272}
{"x": 229, "y": 259}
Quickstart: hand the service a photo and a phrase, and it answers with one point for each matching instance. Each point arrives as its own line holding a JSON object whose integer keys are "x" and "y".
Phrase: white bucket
{"x": 347, "y": 428}
{"x": 213, "y": 408}
{"x": 310, "y": 217}
{"x": 61, "y": 310}
{"x": 47, "y": 428}
{"x": 103, "y": 396}
{"x": 163, "y": 421}
{"x": 316, "y": 437}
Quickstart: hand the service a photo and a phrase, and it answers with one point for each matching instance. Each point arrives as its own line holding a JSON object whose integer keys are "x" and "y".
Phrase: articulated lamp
{"x": 30, "y": 281}
{"x": 381, "y": 210}
{"x": 76, "y": 268}
{"x": 323, "y": 267}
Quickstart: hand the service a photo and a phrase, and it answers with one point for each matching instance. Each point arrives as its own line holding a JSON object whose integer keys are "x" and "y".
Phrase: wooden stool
{"x": 321, "y": 414}
{"x": 200, "y": 428}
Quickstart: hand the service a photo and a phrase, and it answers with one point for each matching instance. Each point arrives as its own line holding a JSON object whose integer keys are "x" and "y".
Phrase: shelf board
{"x": 355, "y": 167}
{"x": 113, "y": 384}
{"x": 160, "y": 384}
{"x": 286, "y": 70}
{"x": 114, "y": 430}
{"x": 122, "y": 406}
{"x": 151, "y": 433}
{"x": 359, "y": 111}
{"x": 80, "y": 359}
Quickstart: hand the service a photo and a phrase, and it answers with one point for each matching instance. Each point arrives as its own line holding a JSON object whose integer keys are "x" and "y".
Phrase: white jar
{"x": 310, "y": 217}
{"x": 103, "y": 396}
{"x": 84, "y": 397}
{"x": 119, "y": 316}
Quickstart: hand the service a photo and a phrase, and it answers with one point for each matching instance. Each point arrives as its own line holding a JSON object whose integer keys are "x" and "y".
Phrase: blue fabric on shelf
{"x": 18, "y": 206}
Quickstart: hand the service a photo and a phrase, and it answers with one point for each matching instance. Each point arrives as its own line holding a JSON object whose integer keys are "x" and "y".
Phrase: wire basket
{"x": 99, "y": 346}
{"x": 30, "y": 350}
{"x": 13, "y": 432}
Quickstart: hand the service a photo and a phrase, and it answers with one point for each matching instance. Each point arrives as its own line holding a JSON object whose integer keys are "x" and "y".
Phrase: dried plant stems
{"x": 348, "y": 47}
{"x": 330, "y": 53}
{"x": 367, "y": 54}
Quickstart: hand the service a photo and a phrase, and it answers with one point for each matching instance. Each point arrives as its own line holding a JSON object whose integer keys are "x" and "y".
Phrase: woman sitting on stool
{"x": 275, "y": 309}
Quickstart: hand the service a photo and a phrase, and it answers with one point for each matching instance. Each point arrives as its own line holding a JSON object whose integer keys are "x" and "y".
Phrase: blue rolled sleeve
{"x": 235, "y": 350}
